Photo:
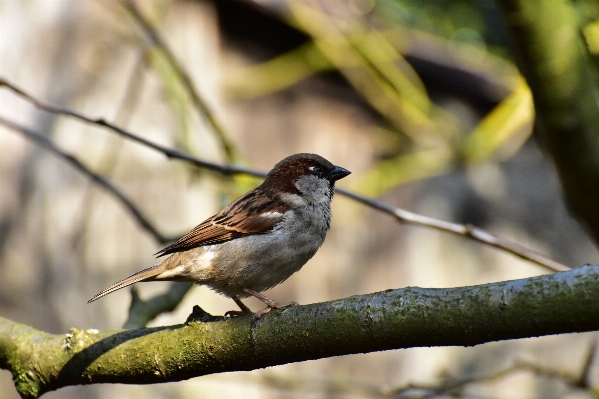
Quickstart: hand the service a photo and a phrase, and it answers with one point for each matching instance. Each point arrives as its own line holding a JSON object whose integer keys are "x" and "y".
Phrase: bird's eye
{"x": 315, "y": 169}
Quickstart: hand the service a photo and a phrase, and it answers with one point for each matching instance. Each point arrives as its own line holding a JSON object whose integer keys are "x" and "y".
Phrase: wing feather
{"x": 254, "y": 213}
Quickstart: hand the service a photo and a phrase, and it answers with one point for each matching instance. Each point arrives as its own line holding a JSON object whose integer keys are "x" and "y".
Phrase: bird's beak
{"x": 338, "y": 173}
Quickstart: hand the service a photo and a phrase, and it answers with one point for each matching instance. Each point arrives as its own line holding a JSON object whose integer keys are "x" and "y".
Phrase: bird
{"x": 256, "y": 242}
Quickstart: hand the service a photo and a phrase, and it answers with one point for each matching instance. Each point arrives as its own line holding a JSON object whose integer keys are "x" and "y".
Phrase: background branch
{"x": 456, "y": 386}
{"x": 404, "y": 216}
{"x": 142, "y": 312}
{"x": 154, "y": 40}
{"x": 411, "y": 317}
{"x": 547, "y": 40}
{"x": 169, "y": 152}
{"x": 99, "y": 179}
{"x": 468, "y": 231}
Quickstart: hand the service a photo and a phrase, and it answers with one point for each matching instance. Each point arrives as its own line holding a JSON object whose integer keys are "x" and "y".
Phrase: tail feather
{"x": 143, "y": 275}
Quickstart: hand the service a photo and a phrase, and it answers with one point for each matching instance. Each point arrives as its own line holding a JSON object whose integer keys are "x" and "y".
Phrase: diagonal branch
{"x": 401, "y": 215}
{"x": 99, "y": 179}
{"x": 142, "y": 312}
{"x": 169, "y": 152}
{"x": 465, "y": 230}
{"x": 556, "y": 303}
{"x": 154, "y": 40}
{"x": 455, "y": 387}
{"x": 584, "y": 380}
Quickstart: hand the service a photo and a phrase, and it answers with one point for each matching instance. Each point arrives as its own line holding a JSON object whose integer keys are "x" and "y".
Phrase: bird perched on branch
{"x": 259, "y": 240}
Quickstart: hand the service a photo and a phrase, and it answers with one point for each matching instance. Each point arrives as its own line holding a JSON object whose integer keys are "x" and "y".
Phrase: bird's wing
{"x": 253, "y": 213}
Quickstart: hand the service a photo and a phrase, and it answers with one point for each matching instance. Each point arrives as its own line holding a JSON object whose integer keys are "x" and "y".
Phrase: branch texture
{"x": 563, "y": 302}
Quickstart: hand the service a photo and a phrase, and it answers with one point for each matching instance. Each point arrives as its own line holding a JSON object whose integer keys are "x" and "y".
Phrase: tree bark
{"x": 558, "y": 303}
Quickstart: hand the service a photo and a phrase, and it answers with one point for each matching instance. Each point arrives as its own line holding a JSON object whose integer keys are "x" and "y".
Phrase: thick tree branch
{"x": 411, "y": 317}
{"x": 552, "y": 56}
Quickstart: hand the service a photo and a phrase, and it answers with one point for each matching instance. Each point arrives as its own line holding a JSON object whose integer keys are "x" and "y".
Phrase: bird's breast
{"x": 261, "y": 261}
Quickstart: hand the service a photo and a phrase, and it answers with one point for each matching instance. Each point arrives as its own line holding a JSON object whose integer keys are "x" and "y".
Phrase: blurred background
{"x": 421, "y": 100}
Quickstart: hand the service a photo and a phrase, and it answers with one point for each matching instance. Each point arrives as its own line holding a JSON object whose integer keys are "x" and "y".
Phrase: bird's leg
{"x": 235, "y": 313}
{"x": 270, "y": 304}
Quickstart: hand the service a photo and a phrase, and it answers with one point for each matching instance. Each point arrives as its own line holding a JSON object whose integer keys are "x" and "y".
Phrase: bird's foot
{"x": 236, "y": 313}
{"x": 272, "y": 305}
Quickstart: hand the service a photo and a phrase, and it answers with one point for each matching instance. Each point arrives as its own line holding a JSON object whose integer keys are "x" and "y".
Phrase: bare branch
{"x": 556, "y": 303}
{"x": 153, "y": 40}
{"x": 141, "y": 312}
{"x": 584, "y": 380}
{"x": 169, "y": 152}
{"x": 455, "y": 386}
{"x": 468, "y": 231}
{"x": 404, "y": 216}
{"x": 99, "y": 179}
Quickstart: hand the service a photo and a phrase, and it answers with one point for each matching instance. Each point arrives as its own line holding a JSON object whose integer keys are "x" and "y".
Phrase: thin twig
{"x": 401, "y": 215}
{"x": 154, "y": 40}
{"x": 141, "y": 312}
{"x": 99, "y": 179}
{"x": 585, "y": 374}
{"x": 465, "y": 230}
{"x": 112, "y": 150}
{"x": 169, "y": 152}
{"x": 456, "y": 386}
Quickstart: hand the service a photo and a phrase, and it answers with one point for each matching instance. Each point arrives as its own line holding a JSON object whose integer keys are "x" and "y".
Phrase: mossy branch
{"x": 558, "y": 303}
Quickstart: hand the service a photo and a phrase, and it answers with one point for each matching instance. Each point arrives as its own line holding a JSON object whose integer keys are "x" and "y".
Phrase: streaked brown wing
{"x": 253, "y": 213}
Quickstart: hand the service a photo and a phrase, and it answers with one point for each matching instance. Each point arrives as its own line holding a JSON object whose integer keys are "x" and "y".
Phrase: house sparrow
{"x": 259, "y": 240}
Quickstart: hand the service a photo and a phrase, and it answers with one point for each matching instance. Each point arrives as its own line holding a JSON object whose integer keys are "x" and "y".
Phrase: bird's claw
{"x": 272, "y": 306}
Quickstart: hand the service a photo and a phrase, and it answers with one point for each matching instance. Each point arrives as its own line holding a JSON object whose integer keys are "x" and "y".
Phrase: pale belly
{"x": 258, "y": 262}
